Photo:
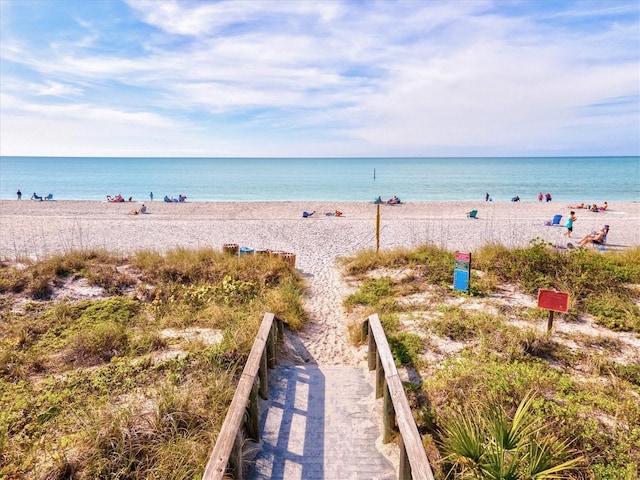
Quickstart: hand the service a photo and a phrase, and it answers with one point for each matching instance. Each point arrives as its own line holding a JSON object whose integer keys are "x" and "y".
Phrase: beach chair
{"x": 599, "y": 244}
{"x": 555, "y": 222}
{"x": 49, "y": 197}
{"x": 472, "y": 214}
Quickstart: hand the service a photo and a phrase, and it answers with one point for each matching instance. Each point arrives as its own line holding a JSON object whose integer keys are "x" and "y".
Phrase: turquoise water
{"x": 589, "y": 179}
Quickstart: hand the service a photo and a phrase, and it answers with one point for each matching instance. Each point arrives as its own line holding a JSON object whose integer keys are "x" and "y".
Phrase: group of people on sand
{"x": 392, "y": 201}
{"x": 141, "y": 210}
{"x": 117, "y": 199}
{"x": 181, "y": 198}
{"x": 516, "y": 198}
{"x": 593, "y": 207}
{"x": 596, "y": 236}
{"x": 546, "y": 197}
{"x": 35, "y": 196}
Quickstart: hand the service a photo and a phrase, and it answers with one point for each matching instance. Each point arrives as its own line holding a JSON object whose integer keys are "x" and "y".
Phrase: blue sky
{"x": 319, "y": 78}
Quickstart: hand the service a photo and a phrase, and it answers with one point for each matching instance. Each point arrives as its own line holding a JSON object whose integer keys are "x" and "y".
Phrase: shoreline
{"x": 33, "y": 229}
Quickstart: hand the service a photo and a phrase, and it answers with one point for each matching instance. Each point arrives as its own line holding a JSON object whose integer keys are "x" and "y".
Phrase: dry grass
{"x": 93, "y": 388}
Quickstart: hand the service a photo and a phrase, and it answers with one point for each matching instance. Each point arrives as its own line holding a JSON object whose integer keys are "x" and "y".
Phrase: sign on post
{"x": 462, "y": 271}
{"x": 553, "y": 301}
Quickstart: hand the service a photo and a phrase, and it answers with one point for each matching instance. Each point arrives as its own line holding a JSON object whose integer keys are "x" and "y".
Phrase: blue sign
{"x": 461, "y": 272}
{"x": 461, "y": 280}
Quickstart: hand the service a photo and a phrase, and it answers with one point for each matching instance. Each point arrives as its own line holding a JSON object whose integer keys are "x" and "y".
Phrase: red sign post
{"x": 553, "y": 301}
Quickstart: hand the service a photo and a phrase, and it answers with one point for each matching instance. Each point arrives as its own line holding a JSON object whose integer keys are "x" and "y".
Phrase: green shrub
{"x": 405, "y": 347}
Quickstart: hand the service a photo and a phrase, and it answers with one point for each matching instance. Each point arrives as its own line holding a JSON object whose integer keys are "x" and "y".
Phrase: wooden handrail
{"x": 253, "y": 382}
{"x": 414, "y": 463}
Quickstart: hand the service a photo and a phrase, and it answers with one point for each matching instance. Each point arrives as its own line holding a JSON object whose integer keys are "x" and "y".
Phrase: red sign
{"x": 463, "y": 257}
{"x": 553, "y": 300}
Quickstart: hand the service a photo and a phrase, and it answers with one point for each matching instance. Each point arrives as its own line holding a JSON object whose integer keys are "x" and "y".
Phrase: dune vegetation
{"x": 495, "y": 395}
{"x": 114, "y": 367}
{"x": 123, "y": 367}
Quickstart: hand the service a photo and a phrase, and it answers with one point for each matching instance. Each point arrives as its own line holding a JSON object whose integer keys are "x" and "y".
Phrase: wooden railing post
{"x": 373, "y": 348}
{"x": 388, "y": 415}
{"x": 235, "y": 459}
{"x": 253, "y": 414}
{"x": 404, "y": 469}
{"x": 271, "y": 347}
{"x": 280, "y": 325}
{"x": 263, "y": 373}
{"x": 379, "y": 377}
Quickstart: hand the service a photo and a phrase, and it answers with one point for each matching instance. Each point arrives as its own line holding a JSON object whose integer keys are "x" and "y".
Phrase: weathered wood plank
{"x": 413, "y": 462}
{"x": 220, "y": 456}
{"x": 383, "y": 346}
{"x": 420, "y": 468}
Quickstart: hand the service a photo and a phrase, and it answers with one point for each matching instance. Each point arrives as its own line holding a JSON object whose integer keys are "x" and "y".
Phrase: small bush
{"x": 405, "y": 347}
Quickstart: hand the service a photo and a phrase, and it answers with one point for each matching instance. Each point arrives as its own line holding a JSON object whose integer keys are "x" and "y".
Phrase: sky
{"x": 327, "y": 78}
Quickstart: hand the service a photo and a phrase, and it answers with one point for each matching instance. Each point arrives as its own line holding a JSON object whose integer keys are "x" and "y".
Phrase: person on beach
{"x": 540, "y": 197}
{"x": 143, "y": 208}
{"x": 151, "y": 196}
{"x": 19, "y": 193}
{"x": 595, "y": 236}
{"x": 486, "y": 197}
{"x": 548, "y": 197}
{"x": 572, "y": 218}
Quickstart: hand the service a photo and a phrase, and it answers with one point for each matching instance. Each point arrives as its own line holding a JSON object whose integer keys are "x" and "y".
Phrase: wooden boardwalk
{"x": 320, "y": 422}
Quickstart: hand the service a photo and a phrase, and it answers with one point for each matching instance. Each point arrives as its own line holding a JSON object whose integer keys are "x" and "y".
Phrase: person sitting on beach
{"x": 306, "y": 214}
{"x": 35, "y": 197}
{"x": 378, "y": 200}
{"x": 594, "y": 208}
{"x": 604, "y": 207}
{"x": 516, "y": 198}
{"x": 597, "y": 236}
{"x": 181, "y": 198}
{"x": 167, "y": 199}
{"x": 143, "y": 208}
{"x": 393, "y": 201}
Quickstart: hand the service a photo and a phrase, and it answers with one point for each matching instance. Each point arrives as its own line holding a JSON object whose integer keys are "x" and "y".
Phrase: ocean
{"x": 575, "y": 179}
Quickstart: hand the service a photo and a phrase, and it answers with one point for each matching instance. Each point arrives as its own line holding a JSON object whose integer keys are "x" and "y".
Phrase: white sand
{"x": 37, "y": 229}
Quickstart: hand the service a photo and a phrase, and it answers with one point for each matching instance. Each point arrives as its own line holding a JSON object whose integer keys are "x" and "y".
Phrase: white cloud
{"x": 401, "y": 76}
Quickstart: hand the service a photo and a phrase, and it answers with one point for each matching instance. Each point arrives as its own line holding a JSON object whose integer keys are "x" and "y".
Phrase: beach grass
{"x": 123, "y": 367}
{"x": 470, "y": 354}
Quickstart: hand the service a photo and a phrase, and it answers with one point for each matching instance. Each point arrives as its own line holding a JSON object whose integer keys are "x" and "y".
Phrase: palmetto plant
{"x": 483, "y": 443}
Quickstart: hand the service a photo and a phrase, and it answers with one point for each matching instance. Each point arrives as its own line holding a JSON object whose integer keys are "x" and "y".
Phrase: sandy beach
{"x": 33, "y": 229}
{"x": 37, "y": 229}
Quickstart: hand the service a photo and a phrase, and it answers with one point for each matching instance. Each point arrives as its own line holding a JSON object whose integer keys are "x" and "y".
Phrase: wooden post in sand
{"x": 378, "y": 230}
